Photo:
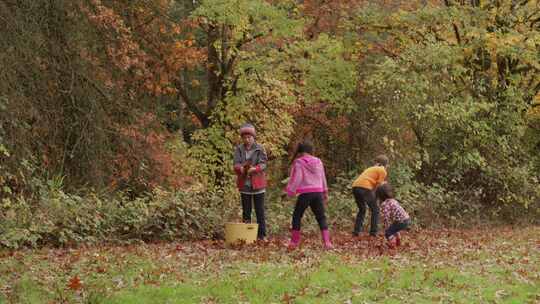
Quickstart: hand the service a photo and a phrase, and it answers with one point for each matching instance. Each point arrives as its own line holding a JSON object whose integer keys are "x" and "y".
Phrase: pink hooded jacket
{"x": 307, "y": 175}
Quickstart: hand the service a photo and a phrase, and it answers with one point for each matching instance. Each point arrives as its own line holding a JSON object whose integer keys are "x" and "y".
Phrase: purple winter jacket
{"x": 307, "y": 175}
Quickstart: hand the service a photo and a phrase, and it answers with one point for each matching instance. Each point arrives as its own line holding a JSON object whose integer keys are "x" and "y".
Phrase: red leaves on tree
{"x": 150, "y": 147}
{"x": 147, "y": 48}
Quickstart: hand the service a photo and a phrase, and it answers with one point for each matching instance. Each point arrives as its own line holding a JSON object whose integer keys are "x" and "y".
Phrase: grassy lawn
{"x": 443, "y": 266}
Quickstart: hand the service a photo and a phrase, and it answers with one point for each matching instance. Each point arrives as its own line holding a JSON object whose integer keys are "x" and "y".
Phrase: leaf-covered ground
{"x": 499, "y": 265}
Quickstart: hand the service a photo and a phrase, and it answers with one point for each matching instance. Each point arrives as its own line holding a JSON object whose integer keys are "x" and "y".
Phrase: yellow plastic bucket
{"x": 237, "y": 232}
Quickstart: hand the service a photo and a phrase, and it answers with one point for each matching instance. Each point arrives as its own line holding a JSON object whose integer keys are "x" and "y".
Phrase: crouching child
{"x": 394, "y": 216}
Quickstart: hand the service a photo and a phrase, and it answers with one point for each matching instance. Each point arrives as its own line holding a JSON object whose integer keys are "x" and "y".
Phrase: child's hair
{"x": 303, "y": 147}
{"x": 381, "y": 160}
{"x": 384, "y": 192}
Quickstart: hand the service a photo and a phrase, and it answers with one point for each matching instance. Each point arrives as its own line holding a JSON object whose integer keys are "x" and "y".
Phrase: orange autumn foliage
{"x": 150, "y": 54}
{"x": 146, "y": 162}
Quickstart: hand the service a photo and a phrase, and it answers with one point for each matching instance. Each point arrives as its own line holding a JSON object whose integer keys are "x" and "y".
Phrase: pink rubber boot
{"x": 295, "y": 239}
{"x": 326, "y": 239}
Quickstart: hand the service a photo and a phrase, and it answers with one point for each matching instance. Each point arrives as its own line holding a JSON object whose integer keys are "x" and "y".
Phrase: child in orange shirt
{"x": 364, "y": 193}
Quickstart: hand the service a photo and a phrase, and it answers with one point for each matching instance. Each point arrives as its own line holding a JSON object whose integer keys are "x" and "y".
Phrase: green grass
{"x": 432, "y": 267}
{"x": 377, "y": 281}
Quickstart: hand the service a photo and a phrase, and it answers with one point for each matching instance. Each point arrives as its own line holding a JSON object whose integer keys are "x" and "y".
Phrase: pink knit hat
{"x": 247, "y": 129}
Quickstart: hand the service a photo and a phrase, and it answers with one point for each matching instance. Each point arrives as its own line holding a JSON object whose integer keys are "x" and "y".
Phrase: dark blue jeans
{"x": 397, "y": 227}
{"x": 362, "y": 198}
{"x": 248, "y": 200}
{"x": 313, "y": 200}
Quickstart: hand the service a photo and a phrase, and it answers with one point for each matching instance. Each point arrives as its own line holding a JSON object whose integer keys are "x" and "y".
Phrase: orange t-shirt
{"x": 370, "y": 178}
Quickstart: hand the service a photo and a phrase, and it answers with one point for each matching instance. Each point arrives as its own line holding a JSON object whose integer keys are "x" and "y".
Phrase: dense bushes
{"x": 452, "y": 109}
{"x": 60, "y": 219}
{"x": 64, "y": 219}
{"x": 56, "y": 218}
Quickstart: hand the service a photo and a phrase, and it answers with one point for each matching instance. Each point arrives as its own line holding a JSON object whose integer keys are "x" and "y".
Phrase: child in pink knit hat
{"x": 249, "y": 165}
{"x": 247, "y": 129}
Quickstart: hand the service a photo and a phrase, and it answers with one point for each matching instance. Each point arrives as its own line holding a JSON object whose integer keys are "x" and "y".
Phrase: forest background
{"x": 118, "y": 118}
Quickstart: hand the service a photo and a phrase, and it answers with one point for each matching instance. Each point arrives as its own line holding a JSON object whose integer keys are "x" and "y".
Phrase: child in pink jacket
{"x": 307, "y": 179}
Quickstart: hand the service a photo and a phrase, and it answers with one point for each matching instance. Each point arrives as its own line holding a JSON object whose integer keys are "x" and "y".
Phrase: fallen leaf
{"x": 288, "y": 299}
{"x": 75, "y": 283}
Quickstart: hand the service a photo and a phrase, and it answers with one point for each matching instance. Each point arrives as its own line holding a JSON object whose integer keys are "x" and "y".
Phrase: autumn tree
{"x": 55, "y": 115}
{"x": 260, "y": 68}
{"x": 461, "y": 78}
{"x": 76, "y": 82}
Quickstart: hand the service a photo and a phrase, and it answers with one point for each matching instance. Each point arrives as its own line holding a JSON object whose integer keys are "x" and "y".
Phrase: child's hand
{"x": 251, "y": 170}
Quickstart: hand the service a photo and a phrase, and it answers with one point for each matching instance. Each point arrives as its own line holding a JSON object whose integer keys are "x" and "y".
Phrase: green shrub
{"x": 61, "y": 219}
{"x": 447, "y": 205}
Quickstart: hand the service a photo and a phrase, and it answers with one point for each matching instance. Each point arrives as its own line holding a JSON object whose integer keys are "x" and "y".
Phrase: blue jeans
{"x": 397, "y": 227}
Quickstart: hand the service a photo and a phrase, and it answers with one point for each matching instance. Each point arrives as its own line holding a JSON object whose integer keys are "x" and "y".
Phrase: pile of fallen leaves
{"x": 107, "y": 269}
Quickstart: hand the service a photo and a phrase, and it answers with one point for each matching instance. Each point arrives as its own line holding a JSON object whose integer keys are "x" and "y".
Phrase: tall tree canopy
{"x": 127, "y": 95}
